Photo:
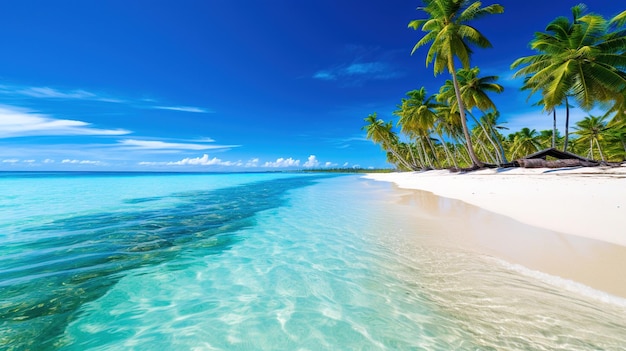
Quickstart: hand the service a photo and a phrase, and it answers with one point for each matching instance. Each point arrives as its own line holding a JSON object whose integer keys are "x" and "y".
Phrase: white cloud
{"x": 29, "y": 161}
{"x": 312, "y": 162}
{"x": 375, "y": 70}
{"x": 183, "y": 109}
{"x": 283, "y": 162}
{"x": 50, "y": 93}
{"x": 12, "y": 160}
{"x": 17, "y": 122}
{"x": 48, "y": 161}
{"x": 162, "y": 145}
{"x": 82, "y": 162}
{"x": 253, "y": 163}
{"x": 204, "y": 161}
{"x": 324, "y": 75}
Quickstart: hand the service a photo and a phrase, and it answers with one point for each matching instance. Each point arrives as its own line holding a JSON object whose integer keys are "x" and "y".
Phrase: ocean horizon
{"x": 264, "y": 261}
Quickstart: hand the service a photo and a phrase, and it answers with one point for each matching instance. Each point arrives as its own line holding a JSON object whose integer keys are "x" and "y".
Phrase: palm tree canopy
{"x": 449, "y": 32}
{"x": 591, "y": 127}
{"x": 619, "y": 19}
{"x": 580, "y": 58}
{"x": 473, "y": 90}
{"x": 379, "y": 132}
{"x": 417, "y": 112}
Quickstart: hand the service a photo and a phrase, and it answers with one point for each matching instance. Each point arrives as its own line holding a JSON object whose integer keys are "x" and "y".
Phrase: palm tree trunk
{"x": 600, "y": 150}
{"x": 486, "y": 135}
{"x": 486, "y": 152}
{"x": 566, "y": 123}
{"x": 470, "y": 147}
{"x": 449, "y": 158}
{"x": 412, "y": 154}
{"x": 553, "y": 128}
{"x": 499, "y": 142}
{"x": 422, "y": 162}
{"x": 429, "y": 163}
{"x": 432, "y": 148}
{"x": 400, "y": 158}
{"x": 464, "y": 147}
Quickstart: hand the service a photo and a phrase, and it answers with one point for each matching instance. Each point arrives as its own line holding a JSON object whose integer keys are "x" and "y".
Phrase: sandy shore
{"x": 588, "y": 202}
{"x": 567, "y": 223}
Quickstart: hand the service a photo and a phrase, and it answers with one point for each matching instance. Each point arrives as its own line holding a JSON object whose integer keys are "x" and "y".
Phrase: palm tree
{"x": 548, "y": 139}
{"x": 450, "y": 35}
{"x": 474, "y": 94}
{"x": 449, "y": 123}
{"x": 616, "y": 143}
{"x": 417, "y": 118}
{"x": 592, "y": 129}
{"x": 525, "y": 142}
{"x": 473, "y": 90}
{"x": 490, "y": 121}
{"x": 580, "y": 59}
{"x": 381, "y": 133}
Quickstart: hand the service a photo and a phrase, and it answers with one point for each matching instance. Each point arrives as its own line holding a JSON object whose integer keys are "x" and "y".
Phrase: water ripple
{"x": 57, "y": 267}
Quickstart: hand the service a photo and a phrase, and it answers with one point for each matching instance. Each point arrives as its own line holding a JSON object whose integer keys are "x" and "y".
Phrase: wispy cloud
{"x": 183, "y": 109}
{"x": 50, "y": 93}
{"x": 81, "y": 94}
{"x": 163, "y": 145}
{"x": 84, "y": 162}
{"x": 359, "y": 72}
{"x": 205, "y": 160}
{"x": 18, "y": 122}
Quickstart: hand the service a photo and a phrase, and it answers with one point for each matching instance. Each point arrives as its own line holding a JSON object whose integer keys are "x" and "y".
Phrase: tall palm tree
{"x": 381, "y": 133}
{"x": 580, "y": 59}
{"x": 448, "y": 30}
{"x": 474, "y": 91}
{"x": 592, "y": 129}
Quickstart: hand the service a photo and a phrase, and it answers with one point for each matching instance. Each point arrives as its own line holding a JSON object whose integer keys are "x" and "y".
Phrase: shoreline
{"x": 586, "y": 202}
{"x": 496, "y": 222}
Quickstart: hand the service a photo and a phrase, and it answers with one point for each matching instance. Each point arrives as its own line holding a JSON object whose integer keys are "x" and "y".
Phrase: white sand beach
{"x": 569, "y": 223}
{"x": 589, "y": 202}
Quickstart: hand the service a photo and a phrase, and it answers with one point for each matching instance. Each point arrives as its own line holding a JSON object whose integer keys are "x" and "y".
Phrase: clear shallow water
{"x": 261, "y": 262}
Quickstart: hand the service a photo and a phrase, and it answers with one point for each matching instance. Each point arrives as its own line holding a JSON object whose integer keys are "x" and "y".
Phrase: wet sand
{"x": 594, "y": 263}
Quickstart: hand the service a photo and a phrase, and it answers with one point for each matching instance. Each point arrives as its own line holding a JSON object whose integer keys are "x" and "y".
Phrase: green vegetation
{"x": 582, "y": 60}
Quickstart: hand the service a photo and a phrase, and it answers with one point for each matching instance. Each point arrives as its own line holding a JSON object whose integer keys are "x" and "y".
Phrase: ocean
{"x": 264, "y": 261}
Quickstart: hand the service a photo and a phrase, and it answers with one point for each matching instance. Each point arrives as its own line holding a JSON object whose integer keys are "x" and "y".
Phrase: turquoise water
{"x": 262, "y": 262}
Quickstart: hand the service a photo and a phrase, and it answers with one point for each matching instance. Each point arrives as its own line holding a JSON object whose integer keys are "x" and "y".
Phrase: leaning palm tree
{"x": 580, "y": 59}
{"x": 450, "y": 34}
{"x": 592, "y": 129}
{"x": 381, "y": 133}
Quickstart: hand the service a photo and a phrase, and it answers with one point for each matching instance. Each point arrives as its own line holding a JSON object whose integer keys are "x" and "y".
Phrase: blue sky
{"x": 223, "y": 85}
